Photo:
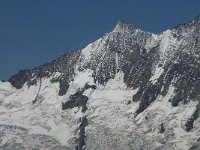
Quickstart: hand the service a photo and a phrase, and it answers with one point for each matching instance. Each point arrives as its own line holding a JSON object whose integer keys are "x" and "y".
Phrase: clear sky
{"x": 33, "y": 32}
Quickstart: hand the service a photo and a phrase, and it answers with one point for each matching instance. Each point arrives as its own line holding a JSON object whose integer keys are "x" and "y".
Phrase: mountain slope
{"x": 129, "y": 89}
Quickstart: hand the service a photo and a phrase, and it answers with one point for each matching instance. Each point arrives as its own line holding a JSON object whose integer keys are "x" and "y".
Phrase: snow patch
{"x": 117, "y": 82}
{"x": 157, "y": 73}
{"x": 168, "y": 45}
{"x": 151, "y": 42}
{"x": 81, "y": 79}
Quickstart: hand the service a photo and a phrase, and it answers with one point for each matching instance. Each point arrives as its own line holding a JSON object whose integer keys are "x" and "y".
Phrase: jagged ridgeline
{"x": 179, "y": 61}
{"x": 155, "y": 65}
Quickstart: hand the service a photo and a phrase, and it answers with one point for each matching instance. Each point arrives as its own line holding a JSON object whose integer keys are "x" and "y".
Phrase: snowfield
{"x": 111, "y": 116}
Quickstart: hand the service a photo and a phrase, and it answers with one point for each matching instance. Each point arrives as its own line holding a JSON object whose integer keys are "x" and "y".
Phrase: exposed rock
{"x": 190, "y": 121}
{"x": 63, "y": 65}
{"x": 76, "y": 100}
{"x": 81, "y": 141}
{"x": 19, "y": 79}
{"x": 162, "y": 128}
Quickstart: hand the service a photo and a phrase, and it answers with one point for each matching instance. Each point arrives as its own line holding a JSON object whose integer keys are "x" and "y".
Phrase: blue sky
{"x": 33, "y": 32}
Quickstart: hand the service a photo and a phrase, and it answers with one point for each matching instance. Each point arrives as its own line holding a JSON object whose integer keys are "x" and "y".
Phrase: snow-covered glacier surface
{"x": 129, "y": 90}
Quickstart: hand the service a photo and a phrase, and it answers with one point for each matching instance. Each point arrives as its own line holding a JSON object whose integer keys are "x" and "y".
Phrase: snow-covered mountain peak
{"x": 129, "y": 89}
{"x": 124, "y": 26}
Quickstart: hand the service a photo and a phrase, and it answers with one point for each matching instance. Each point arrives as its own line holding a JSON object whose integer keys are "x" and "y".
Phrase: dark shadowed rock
{"x": 190, "y": 121}
{"x": 81, "y": 143}
{"x": 63, "y": 65}
{"x": 162, "y": 128}
{"x": 76, "y": 100}
{"x": 18, "y": 80}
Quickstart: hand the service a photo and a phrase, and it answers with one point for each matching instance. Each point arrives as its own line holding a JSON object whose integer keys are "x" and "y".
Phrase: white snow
{"x": 117, "y": 82}
{"x": 92, "y": 48}
{"x": 151, "y": 42}
{"x": 110, "y": 109}
{"x": 44, "y": 117}
{"x": 81, "y": 79}
{"x": 168, "y": 45}
{"x": 157, "y": 73}
{"x": 173, "y": 118}
{"x": 117, "y": 61}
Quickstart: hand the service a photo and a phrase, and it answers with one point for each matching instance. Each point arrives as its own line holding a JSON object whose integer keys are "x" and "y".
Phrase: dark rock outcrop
{"x": 162, "y": 128}
{"x": 190, "y": 121}
{"x": 81, "y": 140}
{"x": 76, "y": 100}
{"x": 19, "y": 79}
{"x": 63, "y": 65}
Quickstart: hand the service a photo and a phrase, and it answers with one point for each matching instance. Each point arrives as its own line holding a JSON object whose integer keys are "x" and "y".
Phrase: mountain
{"x": 128, "y": 90}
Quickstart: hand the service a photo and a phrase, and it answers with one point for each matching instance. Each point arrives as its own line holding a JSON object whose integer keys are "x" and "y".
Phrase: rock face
{"x": 130, "y": 90}
{"x": 59, "y": 65}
